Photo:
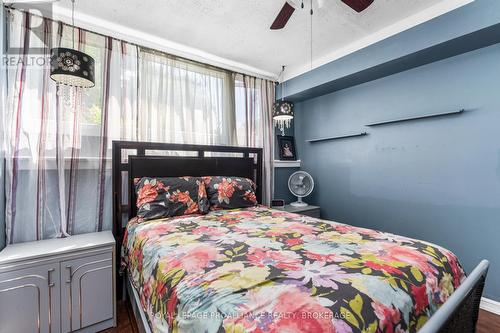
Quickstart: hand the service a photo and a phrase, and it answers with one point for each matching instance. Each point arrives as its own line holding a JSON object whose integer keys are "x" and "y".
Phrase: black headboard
{"x": 132, "y": 159}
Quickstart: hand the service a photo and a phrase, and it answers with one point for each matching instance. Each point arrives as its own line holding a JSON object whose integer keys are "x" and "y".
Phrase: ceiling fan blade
{"x": 358, "y": 5}
{"x": 283, "y": 17}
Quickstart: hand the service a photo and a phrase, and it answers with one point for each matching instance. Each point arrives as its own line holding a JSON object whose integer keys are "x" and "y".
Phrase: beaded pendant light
{"x": 283, "y": 110}
{"x": 71, "y": 67}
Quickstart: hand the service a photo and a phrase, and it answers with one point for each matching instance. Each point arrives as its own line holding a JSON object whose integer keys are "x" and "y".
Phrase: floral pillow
{"x": 171, "y": 196}
{"x": 230, "y": 192}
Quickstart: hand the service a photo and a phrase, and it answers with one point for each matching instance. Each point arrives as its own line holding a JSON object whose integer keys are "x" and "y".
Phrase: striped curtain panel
{"x": 254, "y": 100}
{"x": 58, "y": 168}
{"x": 58, "y": 140}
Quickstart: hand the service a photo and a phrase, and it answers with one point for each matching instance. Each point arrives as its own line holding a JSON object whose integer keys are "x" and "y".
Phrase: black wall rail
{"x": 388, "y": 122}
{"x": 426, "y": 116}
{"x": 338, "y": 137}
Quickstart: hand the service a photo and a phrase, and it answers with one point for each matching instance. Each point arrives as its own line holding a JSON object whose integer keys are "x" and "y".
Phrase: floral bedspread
{"x": 263, "y": 270}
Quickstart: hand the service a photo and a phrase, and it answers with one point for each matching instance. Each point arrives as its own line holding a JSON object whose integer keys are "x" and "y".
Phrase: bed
{"x": 262, "y": 270}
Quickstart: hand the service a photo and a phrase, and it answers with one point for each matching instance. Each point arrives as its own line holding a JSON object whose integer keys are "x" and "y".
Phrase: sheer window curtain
{"x": 58, "y": 157}
{"x": 184, "y": 102}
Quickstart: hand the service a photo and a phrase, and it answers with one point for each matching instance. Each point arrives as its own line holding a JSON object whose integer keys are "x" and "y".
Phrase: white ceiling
{"x": 235, "y": 33}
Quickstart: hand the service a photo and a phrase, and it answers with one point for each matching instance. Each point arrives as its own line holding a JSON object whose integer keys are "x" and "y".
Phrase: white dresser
{"x": 58, "y": 285}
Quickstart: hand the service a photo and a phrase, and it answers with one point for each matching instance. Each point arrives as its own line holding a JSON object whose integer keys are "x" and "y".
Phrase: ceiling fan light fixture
{"x": 290, "y": 5}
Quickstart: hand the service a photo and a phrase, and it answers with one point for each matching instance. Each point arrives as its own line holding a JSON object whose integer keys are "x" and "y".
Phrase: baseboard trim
{"x": 490, "y": 305}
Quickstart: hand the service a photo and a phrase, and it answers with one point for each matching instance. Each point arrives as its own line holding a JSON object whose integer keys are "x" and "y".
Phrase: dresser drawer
{"x": 59, "y": 285}
{"x": 29, "y": 300}
{"x": 87, "y": 291}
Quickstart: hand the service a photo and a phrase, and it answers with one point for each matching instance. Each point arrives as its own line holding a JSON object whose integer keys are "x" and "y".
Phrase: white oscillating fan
{"x": 301, "y": 184}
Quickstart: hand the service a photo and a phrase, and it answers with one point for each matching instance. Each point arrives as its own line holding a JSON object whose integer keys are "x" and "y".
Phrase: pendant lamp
{"x": 71, "y": 67}
{"x": 283, "y": 110}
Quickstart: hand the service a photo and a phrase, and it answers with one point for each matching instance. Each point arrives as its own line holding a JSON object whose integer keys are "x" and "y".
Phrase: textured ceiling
{"x": 238, "y": 30}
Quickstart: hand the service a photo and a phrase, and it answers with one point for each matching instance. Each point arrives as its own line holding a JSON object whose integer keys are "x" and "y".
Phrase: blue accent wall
{"x": 281, "y": 191}
{"x": 434, "y": 179}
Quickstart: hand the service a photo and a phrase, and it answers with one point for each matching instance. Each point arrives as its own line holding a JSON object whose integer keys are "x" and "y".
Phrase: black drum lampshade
{"x": 71, "y": 67}
{"x": 283, "y": 110}
{"x": 283, "y": 115}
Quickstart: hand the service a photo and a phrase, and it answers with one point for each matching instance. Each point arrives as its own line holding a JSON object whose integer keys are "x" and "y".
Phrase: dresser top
{"x": 51, "y": 247}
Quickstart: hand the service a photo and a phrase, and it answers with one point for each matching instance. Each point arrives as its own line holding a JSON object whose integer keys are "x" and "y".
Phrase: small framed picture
{"x": 286, "y": 145}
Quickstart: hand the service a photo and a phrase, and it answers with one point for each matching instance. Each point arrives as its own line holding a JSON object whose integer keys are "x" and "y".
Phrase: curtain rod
{"x": 145, "y": 48}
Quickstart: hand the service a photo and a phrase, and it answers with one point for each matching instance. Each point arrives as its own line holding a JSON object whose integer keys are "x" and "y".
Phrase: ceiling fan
{"x": 290, "y": 5}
